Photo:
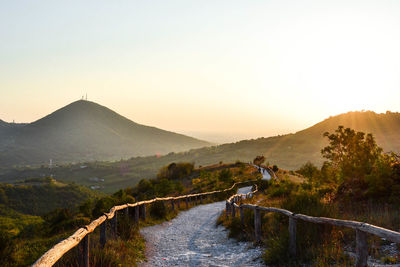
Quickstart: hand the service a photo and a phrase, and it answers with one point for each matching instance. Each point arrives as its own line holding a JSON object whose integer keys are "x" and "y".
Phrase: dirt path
{"x": 193, "y": 239}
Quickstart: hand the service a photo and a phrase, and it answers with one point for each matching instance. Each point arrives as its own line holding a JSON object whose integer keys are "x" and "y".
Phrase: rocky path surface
{"x": 265, "y": 174}
{"x": 193, "y": 239}
{"x": 263, "y": 171}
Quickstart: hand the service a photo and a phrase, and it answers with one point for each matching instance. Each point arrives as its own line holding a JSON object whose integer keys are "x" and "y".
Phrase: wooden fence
{"x": 361, "y": 228}
{"x": 138, "y": 210}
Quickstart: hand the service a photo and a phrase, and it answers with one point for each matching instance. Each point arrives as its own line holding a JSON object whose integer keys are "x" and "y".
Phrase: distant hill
{"x": 292, "y": 150}
{"x": 287, "y": 151}
{"x": 85, "y": 131}
{"x": 42, "y": 195}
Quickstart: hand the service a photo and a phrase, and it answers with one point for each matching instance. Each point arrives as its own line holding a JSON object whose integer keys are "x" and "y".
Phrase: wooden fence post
{"x": 178, "y": 204}
{"x": 241, "y": 215}
{"x": 84, "y": 251}
{"x": 126, "y": 212}
{"x": 172, "y": 205}
{"x": 233, "y": 209}
{"x": 187, "y": 202}
{"x": 143, "y": 211}
{"x": 292, "y": 237}
{"x": 201, "y": 199}
{"x": 361, "y": 248}
{"x": 114, "y": 224}
{"x": 227, "y": 208}
{"x": 130, "y": 212}
{"x": 137, "y": 216}
{"x": 103, "y": 235}
{"x": 257, "y": 224}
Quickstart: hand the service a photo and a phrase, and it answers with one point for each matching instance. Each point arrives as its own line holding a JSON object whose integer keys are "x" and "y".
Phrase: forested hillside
{"x": 42, "y": 195}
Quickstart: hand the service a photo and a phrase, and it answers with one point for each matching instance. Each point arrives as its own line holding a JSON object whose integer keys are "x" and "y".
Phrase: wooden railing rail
{"x": 82, "y": 234}
{"x": 361, "y": 228}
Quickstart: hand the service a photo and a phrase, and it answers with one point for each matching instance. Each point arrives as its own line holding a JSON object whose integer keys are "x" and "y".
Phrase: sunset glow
{"x": 221, "y": 70}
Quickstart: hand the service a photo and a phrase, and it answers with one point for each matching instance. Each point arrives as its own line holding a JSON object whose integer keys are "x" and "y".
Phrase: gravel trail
{"x": 193, "y": 239}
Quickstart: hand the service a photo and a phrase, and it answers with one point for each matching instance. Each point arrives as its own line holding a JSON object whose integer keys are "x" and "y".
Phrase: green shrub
{"x": 158, "y": 210}
{"x": 235, "y": 228}
{"x": 280, "y": 188}
{"x": 176, "y": 171}
{"x": 103, "y": 205}
{"x": 310, "y": 171}
{"x": 263, "y": 184}
{"x": 276, "y": 253}
{"x": 306, "y": 202}
{"x": 225, "y": 176}
{"x": 6, "y": 247}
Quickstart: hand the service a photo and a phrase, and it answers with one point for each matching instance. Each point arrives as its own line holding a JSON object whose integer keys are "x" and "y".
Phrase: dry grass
{"x": 320, "y": 245}
{"x": 290, "y": 175}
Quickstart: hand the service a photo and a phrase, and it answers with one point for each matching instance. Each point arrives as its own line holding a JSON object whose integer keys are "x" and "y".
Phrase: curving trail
{"x": 265, "y": 174}
{"x": 193, "y": 239}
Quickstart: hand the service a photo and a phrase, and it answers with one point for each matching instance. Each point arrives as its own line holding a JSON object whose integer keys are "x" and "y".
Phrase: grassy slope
{"x": 317, "y": 245}
{"x": 14, "y": 221}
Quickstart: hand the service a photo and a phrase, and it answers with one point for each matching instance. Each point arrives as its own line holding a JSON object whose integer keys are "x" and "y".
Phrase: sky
{"x": 217, "y": 70}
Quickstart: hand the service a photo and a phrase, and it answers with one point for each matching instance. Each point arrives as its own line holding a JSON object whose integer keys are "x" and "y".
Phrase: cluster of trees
{"x": 41, "y": 195}
{"x": 259, "y": 160}
{"x": 175, "y": 171}
{"x": 356, "y": 167}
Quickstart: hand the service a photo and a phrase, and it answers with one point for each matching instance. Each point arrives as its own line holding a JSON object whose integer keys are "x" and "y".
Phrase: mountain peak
{"x": 85, "y": 131}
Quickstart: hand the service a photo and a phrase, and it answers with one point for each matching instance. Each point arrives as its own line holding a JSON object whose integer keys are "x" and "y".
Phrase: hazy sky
{"x": 208, "y": 68}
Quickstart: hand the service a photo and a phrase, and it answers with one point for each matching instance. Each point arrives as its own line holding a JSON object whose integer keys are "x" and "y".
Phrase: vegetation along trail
{"x": 193, "y": 239}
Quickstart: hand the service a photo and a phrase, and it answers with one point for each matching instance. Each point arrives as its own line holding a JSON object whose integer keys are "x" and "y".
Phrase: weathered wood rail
{"x": 361, "y": 228}
{"x": 81, "y": 236}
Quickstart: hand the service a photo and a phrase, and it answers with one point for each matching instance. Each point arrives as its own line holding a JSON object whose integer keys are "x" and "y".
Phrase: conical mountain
{"x": 85, "y": 131}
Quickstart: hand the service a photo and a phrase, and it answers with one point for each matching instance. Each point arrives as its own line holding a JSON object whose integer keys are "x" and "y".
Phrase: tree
{"x": 384, "y": 180}
{"x": 175, "y": 171}
{"x": 352, "y": 154}
{"x": 275, "y": 168}
{"x": 225, "y": 175}
{"x": 310, "y": 171}
{"x": 259, "y": 160}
